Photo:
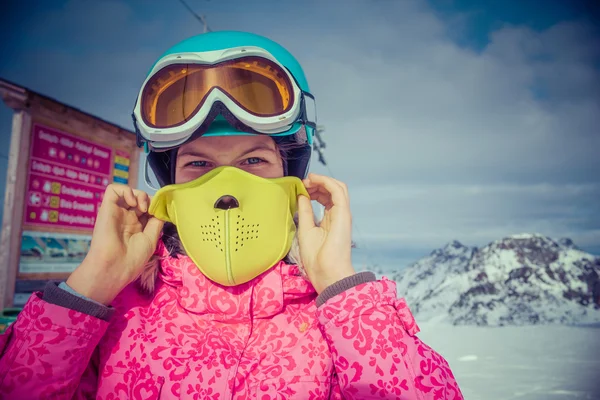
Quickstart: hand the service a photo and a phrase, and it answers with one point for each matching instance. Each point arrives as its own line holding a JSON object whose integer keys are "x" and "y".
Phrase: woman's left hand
{"x": 326, "y": 249}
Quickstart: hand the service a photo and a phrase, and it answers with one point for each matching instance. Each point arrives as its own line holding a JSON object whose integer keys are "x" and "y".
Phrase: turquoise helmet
{"x": 222, "y": 122}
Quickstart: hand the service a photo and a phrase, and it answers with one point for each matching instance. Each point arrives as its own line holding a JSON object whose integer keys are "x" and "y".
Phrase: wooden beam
{"x": 134, "y": 162}
{"x": 14, "y": 199}
{"x": 13, "y": 95}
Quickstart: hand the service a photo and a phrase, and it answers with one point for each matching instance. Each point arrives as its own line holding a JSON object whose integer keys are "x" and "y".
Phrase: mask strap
{"x": 147, "y": 175}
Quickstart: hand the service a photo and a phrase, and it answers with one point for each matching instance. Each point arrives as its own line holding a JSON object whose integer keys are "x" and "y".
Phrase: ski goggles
{"x": 185, "y": 92}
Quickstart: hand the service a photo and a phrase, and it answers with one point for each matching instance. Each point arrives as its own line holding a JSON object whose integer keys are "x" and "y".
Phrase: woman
{"x": 202, "y": 307}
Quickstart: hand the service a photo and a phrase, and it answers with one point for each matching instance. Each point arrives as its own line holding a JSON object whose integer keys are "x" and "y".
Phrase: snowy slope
{"x": 521, "y": 279}
{"x": 427, "y": 285}
{"x": 536, "y": 362}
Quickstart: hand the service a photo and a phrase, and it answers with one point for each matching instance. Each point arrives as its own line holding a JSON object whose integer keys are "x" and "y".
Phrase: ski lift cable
{"x": 200, "y": 18}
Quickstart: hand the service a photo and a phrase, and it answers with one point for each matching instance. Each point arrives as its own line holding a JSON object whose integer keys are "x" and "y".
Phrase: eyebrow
{"x": 195, "y": 153}
{"x": 257, "y": 148}
{"x": 192, "y": 153}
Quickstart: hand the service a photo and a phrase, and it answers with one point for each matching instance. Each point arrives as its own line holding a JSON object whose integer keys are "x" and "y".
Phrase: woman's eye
{"x": 199, "y": 164}
{"x": 254, "y": 160}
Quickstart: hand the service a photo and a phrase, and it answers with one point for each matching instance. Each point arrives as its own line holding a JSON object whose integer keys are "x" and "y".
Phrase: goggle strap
{"x": 307, "y": 119}
{"x": 147, "y": 175}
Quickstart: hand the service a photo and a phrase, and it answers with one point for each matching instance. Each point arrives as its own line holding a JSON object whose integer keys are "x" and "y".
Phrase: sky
{"x": 467, "y": 120}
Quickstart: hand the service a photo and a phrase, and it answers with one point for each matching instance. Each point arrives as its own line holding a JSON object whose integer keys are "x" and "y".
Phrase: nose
{"x": 226, "y": 202}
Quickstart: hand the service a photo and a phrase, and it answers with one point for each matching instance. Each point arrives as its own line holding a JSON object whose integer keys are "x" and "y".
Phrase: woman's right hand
{"x": 125, "y": 237}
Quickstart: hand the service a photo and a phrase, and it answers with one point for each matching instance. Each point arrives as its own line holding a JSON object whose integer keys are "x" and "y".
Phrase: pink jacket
{"x": 194, "y": 339}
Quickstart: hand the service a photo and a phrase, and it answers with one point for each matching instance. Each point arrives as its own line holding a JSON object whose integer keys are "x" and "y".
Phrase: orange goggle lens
{"x": 175, "y": 93}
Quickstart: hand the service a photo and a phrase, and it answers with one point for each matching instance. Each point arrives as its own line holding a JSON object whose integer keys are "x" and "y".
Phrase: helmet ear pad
{"x": 163, "y": 164}
{"x": 297, "y": 154}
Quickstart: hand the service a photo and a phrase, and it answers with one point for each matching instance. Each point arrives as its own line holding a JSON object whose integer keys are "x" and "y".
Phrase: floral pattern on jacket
{"x": 195, "y": 339}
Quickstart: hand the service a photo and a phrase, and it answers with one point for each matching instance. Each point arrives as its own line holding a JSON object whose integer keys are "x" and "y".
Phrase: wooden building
{"x": 60, "y": 161}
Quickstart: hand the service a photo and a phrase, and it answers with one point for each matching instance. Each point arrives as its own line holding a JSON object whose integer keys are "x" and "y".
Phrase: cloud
{"x": 437, "y": 140}
{"x": 429, "y": 109}
{"x": 427, "y": 216}
{"x": 440, "y": 141}
{"x": 106, "y": 25}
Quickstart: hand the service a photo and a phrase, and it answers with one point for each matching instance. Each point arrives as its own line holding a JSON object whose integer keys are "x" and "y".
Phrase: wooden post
{"x": 16, "y": 179}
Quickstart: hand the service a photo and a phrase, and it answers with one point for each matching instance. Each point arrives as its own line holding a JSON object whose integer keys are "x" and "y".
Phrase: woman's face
{"x": 255, "y": 154}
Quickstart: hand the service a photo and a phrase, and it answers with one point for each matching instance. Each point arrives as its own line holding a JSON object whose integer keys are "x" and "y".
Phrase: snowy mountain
{"x": 518, "y": 280}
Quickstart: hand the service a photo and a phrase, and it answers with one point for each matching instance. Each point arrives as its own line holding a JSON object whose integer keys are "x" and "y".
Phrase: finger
{"x": 317, "y": 191}
{"x": 116, "y": 193}
{"x": 129, "y": 197}
{"x": 143, "y": 200}
{"x": 153, "y": 229}
{"x": 338, "y": 196}
{"x": 312, "y": 189}
{"x": 323, "y": 199}
{"x": 306, "y": 217}
{"x": 144, "y": 218}
{"x": 113, "y": 193}
{"x": 343, "y": 186}
{"x": 321, "y": 195}
{"x": 311, "y": 184}
{"x": 336, "y": 213}
{"x": 310, "y": 181}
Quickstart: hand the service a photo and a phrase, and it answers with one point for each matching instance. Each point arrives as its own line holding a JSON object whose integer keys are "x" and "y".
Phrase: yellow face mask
{"x": 234, "y": 225}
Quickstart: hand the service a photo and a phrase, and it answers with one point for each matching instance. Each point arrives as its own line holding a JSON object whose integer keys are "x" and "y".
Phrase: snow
{"x": 527, "y": 282}
{"x": 526, "y": 236}
{"x": 520, "y": 362}
{"x": 521, "y": 279}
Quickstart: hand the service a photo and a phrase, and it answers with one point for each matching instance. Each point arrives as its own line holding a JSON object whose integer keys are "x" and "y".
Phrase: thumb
{"x": 153, "y": 229}
{"x": 306, "y": 217}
